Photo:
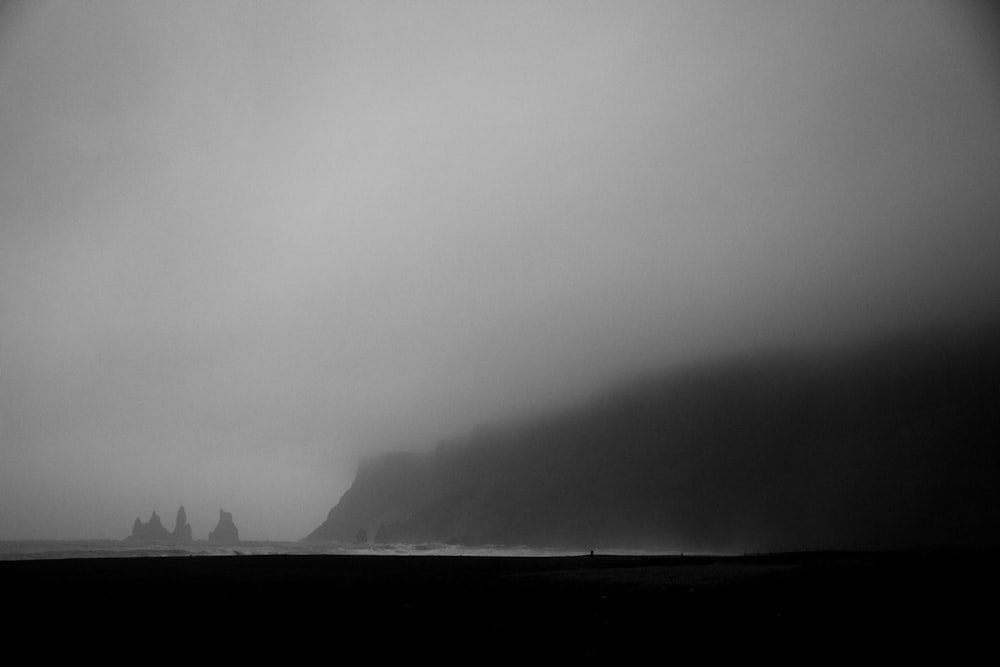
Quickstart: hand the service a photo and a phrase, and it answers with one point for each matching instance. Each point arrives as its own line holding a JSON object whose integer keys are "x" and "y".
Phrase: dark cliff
{"x": 890, "y": 445}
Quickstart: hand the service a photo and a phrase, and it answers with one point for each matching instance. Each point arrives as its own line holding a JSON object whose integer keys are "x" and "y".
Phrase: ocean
{"x": 52, "y": 549}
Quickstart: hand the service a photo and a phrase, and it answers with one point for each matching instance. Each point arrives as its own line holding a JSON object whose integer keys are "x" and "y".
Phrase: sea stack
{"x": 152, "y": 530}
{"x": 182, "y": 529}
{"x": 225, "y": 530}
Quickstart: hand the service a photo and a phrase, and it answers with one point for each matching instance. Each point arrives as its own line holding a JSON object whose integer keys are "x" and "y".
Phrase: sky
{"x": 244, "y": 245}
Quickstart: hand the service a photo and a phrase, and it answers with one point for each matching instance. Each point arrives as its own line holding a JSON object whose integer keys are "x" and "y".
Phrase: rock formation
{"x": 225, "y": 530}
{"x": 182, "y": 529}
{"x": 152, "y": 530}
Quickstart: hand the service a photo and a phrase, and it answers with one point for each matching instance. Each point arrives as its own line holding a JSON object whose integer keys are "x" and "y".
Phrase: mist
{"x": 244, "y": 245}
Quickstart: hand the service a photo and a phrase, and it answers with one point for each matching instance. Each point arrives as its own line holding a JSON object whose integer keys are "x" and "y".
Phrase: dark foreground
{"x": 798, "y": 606}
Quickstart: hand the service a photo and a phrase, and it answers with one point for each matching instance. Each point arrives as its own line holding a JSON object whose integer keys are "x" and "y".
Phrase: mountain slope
{"x": 891, "y": 445}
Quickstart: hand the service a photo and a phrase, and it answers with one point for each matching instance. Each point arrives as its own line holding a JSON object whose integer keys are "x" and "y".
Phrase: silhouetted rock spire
{"x": 182, "y": 529}
{"x": 225, "y": 530}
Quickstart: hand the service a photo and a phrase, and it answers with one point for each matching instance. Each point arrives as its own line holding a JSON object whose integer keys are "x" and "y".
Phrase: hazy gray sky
{"x": 243, "y": 243}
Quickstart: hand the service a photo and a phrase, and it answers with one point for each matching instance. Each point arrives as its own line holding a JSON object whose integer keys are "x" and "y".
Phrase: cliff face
{"x": 225, "y": 530}
{"x": 887, "y": 446}
{"x": 385, "y": 490}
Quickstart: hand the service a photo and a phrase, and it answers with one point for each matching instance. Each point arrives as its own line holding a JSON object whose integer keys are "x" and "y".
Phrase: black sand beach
{"x": 483, "y": 607}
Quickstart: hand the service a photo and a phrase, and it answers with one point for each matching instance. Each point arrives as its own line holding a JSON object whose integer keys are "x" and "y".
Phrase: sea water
{"x": 49, "y": 549}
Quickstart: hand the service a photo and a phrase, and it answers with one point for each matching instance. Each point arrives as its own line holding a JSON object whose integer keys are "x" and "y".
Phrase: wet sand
{"x": 802, "y": 605}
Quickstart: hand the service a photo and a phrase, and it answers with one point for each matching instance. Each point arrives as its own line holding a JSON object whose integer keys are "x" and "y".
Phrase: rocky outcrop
{"x": 182, "y": 529}
{"x": 154, "y": 531}
{"x": 225, "y": 530}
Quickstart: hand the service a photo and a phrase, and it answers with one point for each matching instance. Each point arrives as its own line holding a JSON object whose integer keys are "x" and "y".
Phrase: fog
{"x": 244, "y": 244}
